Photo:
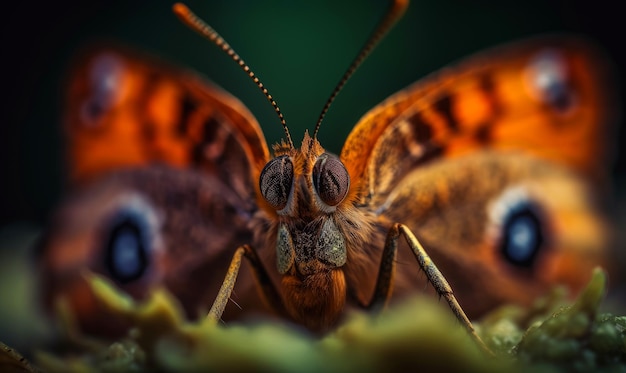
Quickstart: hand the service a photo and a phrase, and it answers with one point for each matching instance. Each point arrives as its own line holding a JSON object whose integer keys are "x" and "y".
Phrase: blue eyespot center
{"x": 522, "y": 237}
{"x": 127, "y": 250}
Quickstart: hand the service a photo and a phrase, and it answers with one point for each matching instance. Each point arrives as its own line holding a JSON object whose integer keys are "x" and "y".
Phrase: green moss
{"x": 419, "y": 334}
{"x": 576, "y": 338}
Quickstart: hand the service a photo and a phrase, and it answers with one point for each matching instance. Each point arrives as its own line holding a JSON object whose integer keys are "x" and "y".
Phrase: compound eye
{"x": 128, "y": 248}
{"x": 330, "y": 179}
{"x": 276, "y": 181}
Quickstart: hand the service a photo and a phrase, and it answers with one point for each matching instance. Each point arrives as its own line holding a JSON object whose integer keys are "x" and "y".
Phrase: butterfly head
{"x": 307, "y": 189}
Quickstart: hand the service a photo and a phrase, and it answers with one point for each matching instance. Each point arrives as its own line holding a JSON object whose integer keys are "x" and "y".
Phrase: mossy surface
{"x": 419, "y": 334}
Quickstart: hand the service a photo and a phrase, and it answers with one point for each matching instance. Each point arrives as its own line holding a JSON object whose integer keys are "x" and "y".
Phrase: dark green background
{"x": 299, "y": 49}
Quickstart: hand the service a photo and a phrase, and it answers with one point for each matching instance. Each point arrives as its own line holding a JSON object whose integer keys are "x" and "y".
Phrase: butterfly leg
{"x": 384, "y": 283}
{"x": 268, "y": 290}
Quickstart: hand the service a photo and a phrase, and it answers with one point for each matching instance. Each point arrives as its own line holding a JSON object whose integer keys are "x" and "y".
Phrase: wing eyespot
{"x": 548, "y": 78}
{"x": 128, "y": 247}
{"x": 105, "y": 77}
{"x": 522, "y": 237}
{"x": 520, "y": 228}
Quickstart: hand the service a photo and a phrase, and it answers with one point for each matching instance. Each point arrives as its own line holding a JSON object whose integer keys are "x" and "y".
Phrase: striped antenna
{"x": 198, "y": 25}
{"x": 394, "y": 13}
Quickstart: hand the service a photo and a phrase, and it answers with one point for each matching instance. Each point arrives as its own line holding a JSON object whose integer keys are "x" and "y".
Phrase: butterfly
{"x": 488, "y": 166}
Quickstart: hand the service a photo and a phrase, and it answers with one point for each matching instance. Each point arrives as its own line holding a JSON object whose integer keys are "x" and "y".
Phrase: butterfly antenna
{"x": 195, "y": 23}
{"x": 394, "y": 13}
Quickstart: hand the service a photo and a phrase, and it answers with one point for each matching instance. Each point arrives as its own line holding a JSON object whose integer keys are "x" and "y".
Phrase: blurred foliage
{"x": 419, "y": 334}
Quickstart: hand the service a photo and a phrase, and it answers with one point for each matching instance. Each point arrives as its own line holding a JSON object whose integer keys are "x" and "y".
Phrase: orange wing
{"x": 167, "y": 166}
{"x": 126, "y": 110}
{"x": 477, "y": 161}
{"x": 548, "y": 97}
